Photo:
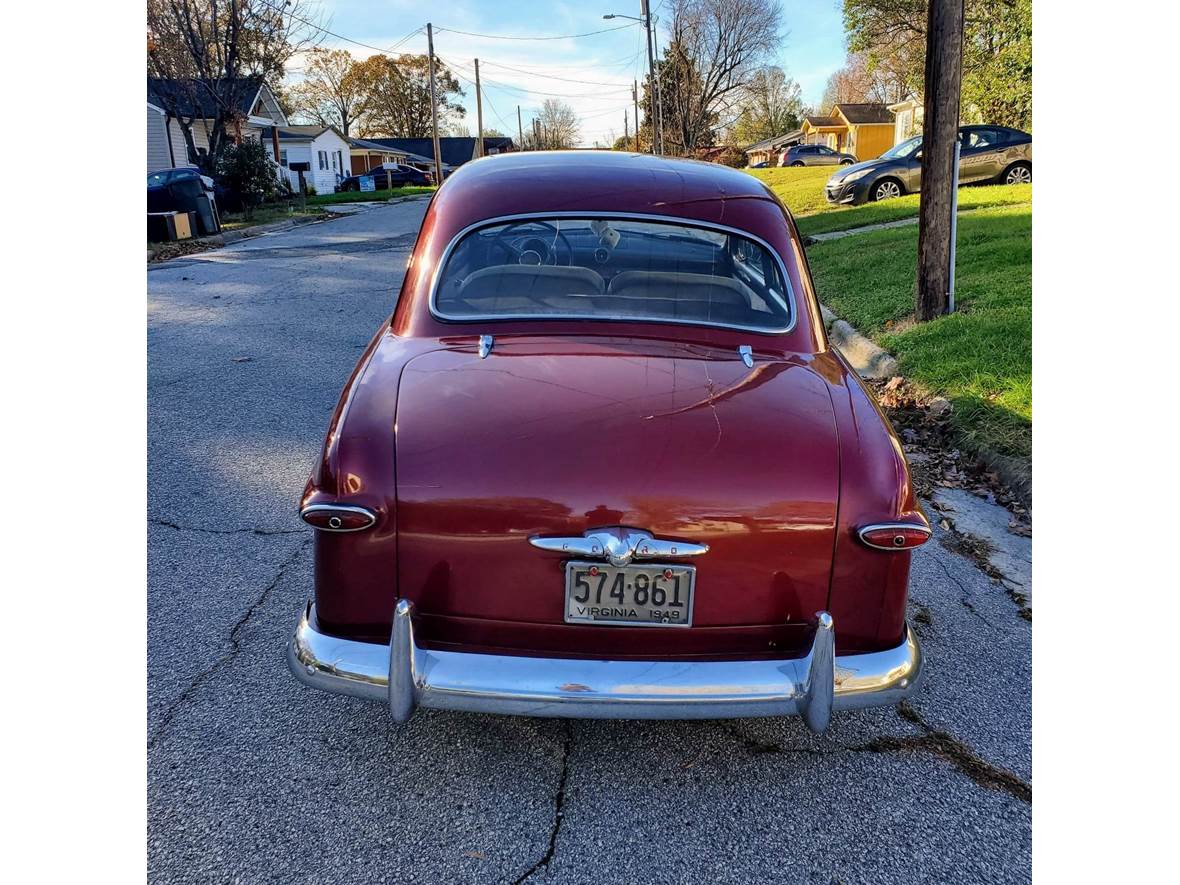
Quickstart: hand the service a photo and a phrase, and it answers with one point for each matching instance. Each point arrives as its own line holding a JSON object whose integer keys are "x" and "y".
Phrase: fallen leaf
{"x": 478, "y": 855}
{"x": 243, "y": 359}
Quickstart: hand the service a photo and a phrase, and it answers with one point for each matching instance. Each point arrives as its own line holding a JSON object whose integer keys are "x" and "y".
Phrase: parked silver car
{"x": 987, "y": 154}
{"x": 814, "y": 155}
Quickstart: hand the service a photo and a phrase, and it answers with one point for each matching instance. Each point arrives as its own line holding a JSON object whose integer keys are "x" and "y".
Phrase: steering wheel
{"x": 543, "y": 248}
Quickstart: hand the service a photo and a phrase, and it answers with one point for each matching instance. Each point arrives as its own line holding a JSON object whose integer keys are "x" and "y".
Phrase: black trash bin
{"x": 185, "y": 190}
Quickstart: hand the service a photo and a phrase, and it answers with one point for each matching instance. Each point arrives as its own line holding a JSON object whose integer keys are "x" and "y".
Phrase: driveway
{"x": 254, "y": 778}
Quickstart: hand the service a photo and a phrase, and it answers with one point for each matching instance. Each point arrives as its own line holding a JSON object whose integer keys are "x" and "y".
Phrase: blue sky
{"x": 593, "y": 74}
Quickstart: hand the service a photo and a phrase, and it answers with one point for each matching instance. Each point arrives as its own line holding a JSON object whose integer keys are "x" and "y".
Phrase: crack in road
{"x": 167, "y": 523}
{"x": 966, "y": 594}
{"x": 235, "y": 647}
{"x": 933, "y": 741}
{"x": 559, "y": 808}
{"x": 978, "y": 550}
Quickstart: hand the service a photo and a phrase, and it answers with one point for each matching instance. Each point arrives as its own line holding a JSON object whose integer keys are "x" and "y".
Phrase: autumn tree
{"x": 217, "y": 52}
{"x": 332, "y": 92}
{"x": 771, "y": 105}
{"x": 714, "y": 50}
{"x": 397, "y": 90}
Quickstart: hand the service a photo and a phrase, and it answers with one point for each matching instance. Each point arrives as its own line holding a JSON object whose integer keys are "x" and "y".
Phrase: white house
{"x": 197, "y": 103}
{"x": 323, "y": 147}
{"x": 907, "y": 118}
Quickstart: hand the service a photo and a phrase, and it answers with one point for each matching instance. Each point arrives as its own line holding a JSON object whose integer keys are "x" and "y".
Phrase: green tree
{"x": 997, "y": 52}
{"x": 248, "y": 171}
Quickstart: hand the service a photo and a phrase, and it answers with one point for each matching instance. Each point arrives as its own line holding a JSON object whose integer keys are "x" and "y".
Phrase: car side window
{"x": 978, "y": 139}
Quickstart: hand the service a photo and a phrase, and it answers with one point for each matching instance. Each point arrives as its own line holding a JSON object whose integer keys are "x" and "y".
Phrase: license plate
{"x": 634, "y": 595}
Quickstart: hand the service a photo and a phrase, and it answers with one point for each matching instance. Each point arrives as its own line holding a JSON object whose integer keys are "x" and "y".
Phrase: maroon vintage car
{"x": 602, "y": 462}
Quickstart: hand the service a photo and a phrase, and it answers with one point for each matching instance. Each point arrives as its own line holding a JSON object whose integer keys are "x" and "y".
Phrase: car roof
{"x": 594, "y": 181}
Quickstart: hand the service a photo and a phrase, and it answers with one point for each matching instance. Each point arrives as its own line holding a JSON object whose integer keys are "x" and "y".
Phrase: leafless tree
{"x": 559, "y": 126}
{"x": 864, "y": 80}
{"x": 217, "y": 52}
{"x": 715, "y": 47}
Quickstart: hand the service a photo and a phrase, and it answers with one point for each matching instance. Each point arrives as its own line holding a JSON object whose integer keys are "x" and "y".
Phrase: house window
{"x": 322, "y": 159}
{"x": 335, "y": 154}
{"x": 283, "y": 159}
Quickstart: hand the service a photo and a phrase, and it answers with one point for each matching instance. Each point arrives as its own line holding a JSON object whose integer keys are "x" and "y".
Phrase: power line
{"x": 554, "y": 77}
{"x": 324, "y": 30}
{"x": 553, "y": 37}
{"x": 591, "y": 96}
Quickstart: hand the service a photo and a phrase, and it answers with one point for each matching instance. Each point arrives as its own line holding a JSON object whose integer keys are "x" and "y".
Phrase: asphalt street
{"x": 254, "y": 778}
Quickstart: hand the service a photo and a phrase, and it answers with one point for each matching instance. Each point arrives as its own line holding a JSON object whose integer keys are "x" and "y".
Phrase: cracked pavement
{"x": 255, "y": 778}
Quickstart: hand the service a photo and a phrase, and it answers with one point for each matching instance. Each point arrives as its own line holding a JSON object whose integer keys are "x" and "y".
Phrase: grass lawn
{"x": 980, "y": 357}
{"x": 802, "y": 190}
{"x": 368, "y": 196}
{"x": 265, "y": 215}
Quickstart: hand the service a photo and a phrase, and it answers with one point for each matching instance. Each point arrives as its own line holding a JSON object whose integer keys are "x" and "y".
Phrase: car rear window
{"x": 610, "y": 268}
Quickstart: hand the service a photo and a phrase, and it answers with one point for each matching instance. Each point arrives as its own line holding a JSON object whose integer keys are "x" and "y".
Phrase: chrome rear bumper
{"x": 407, "y": 676}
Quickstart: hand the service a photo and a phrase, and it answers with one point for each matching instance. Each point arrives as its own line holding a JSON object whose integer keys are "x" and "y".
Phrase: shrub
{"x": 731, "y": 156}
{"x": 247, "y": 171}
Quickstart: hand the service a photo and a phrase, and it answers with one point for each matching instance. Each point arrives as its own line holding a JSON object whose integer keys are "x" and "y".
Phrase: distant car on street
{"x": 814, "y": 155}
{"x": 386, "y": 177}
{"x": 761, "y": 165}
{"x": 987, "y": 154}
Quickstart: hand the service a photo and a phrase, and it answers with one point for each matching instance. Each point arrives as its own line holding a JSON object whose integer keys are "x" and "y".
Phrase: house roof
{"x": 300, "y": 133}
{"x": 454, "y": 150}
{"x": 868, "y": 112}
{"x": 818, "y": 122}
{"x": 204, "y": 98}
{"x": 777, "y": 141}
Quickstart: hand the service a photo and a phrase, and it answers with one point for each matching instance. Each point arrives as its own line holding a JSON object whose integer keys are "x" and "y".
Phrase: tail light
{"x": 895, "y": 535}
{"x": 337, "y": 517}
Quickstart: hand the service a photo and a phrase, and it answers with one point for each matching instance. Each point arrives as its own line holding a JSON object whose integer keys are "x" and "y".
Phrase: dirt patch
{"x": 923, "y": 423}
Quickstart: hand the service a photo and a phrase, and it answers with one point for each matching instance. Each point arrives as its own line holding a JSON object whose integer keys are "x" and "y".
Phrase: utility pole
{"x": 635, "y": 98}
{"x": 940, "y": 134}
{"x": 519, "y": 130}
{"x": 655, "y": 39}
{"x": 434, "y": 107}
{"x": 536, "y": 134}
{"x": 651, "y": 71}
{"x": 478, "y": 114}
{"x": 626, "y": 128}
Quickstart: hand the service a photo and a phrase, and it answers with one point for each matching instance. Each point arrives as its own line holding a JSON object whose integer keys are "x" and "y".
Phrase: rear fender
{"x": 867, "y": 594}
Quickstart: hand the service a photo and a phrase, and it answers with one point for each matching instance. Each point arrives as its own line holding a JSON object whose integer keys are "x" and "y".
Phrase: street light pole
{"x": 657, "y": 139}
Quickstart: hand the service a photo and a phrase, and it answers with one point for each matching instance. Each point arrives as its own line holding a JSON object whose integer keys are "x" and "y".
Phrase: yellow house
{"x": 863, "y": 130}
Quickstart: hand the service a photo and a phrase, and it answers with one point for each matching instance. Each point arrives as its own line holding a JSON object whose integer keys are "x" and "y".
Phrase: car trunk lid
{"x": 557, "y": 437}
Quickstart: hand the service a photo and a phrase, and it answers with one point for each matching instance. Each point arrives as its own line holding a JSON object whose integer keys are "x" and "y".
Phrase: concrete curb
{"x": 869, "y": 360}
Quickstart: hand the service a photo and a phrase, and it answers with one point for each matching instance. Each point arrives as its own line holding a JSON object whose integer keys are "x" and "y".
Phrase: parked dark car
{"x": 815, "y": 155}
{"x": 987, "y": 154}
{"x": 386, "y": 177}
